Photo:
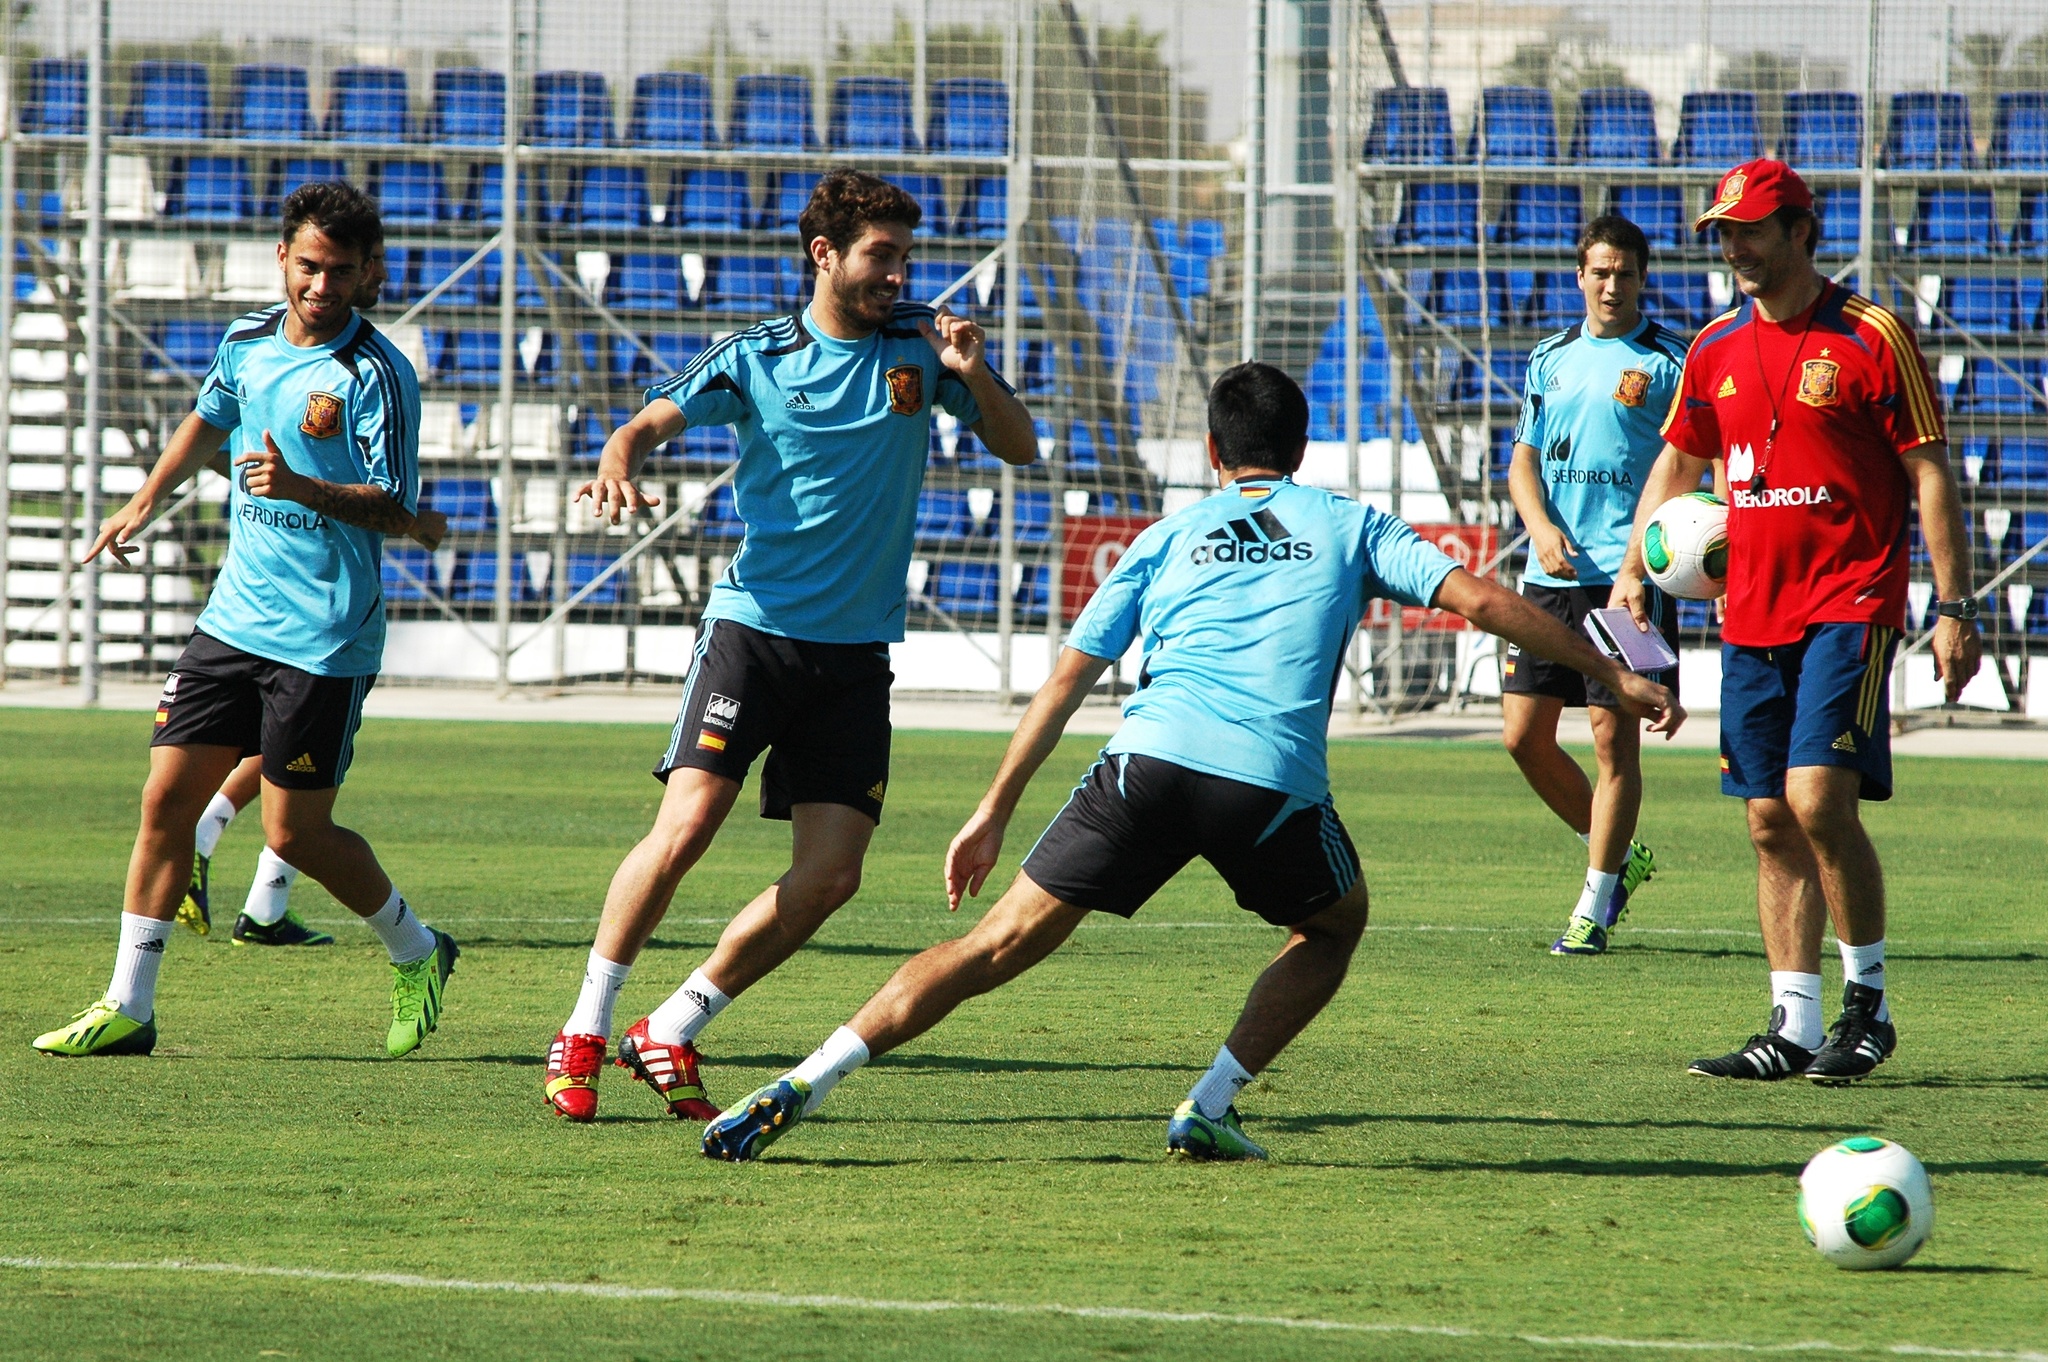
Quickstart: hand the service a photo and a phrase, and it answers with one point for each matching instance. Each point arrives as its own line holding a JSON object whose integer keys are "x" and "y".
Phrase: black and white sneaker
{"x": 1765, "y": 1058}
{"x": 1857, "y": 1043}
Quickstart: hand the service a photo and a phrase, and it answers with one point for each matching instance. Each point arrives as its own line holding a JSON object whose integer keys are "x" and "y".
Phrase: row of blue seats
{"x": 1946, "y": 222}
{"x": 671, "y": 110}
{"x": 473, "y": 576}
{"x": 2017, "y": 461}
{"x": 1823, "y": 129}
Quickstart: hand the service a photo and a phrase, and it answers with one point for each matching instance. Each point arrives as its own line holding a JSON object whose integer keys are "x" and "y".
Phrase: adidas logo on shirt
{"x": 1242, "y": 541}
{"x": 1727, "y": 387}
{"x": 1845, "y": 743}
{"x": 799, "y": 401}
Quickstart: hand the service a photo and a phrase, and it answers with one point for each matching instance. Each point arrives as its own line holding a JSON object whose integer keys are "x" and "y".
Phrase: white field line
{"x": 776, "y": 1300}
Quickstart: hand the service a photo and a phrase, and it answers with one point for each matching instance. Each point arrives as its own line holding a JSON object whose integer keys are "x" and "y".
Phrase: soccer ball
{"x": 1685, "y": 546}
{"x": 1866, "y": 1203}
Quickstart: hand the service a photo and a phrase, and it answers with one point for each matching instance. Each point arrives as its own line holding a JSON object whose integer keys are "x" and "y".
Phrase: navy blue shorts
{"x": 1823, "y": 701}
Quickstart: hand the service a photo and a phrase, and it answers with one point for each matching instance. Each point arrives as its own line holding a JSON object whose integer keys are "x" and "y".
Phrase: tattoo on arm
{"x": 358, "y": 504}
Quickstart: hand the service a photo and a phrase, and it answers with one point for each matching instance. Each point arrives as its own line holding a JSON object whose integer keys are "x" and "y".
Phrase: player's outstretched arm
{"x": 975, "y": 848}
{"x": 1957, "y": 647}
{"x": 1502, "y": 612}
{"x": 1525, "y": 484}
{"x": 1674, "y": 474}
{"x": 192, "y": 446}
{"x": 613, "y": 492}
{"x": 1005, "y": 425}
{"x": 361, "y": 504}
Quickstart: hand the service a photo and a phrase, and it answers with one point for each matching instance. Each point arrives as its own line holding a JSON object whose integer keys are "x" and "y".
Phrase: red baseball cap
{"x": 1753, "y": 191}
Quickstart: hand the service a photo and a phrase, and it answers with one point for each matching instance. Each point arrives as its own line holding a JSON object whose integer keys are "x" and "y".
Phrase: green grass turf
{"x": 1475, "y": 1136}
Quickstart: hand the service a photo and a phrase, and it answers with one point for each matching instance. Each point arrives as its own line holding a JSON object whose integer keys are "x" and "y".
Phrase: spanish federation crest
{"x": 906, "y": 389}
{"x": 323, "y": 415}
{"x": 1817, "y": 382}
{"x": 1731, "y": 189}
{"x": 1633, "y": 388}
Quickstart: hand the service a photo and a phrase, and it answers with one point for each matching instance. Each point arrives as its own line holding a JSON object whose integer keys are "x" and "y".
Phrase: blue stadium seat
{"x": 1695, "y": 616}
{"x": 1435, "y": 214}
{"x": 210, "y": 189}
{"x": 871, "y": 113}
{"x": 368, "y": 104}
{"x": 269, "y": 104}
{"x": 1979, "y": 305}
{"x": 942, "y": 517}
{"x": 784, "y": 200}
{"x": 2019, "y": 133}
{"x": 570, "y": 109}
{"x": 1681, "y": 301}
{"x": 464, "y": 356}
{"x": 720, "y": 518}
{"x": 2030, "y": 228}
{"x": 418, "y": 562}
{"x": 1467, "y": 383}
{"x": 718, "y": 445}
{"x": 476, "y": 577}
{"x": 610, "y": 196}
{"x": 674, "y": 352}
{"x": 401, "y": 276}
{"x": 968, "y": 116}
{"x": 772, "y": 113}
{"x": 1617, "y": 125}
{"x": 2030, "y": 303}
{"x": 291, "y": 172}
{"x": 2023, "y": 462}
{"x": 1458, "y": 297}
{"x": 409, "y": 193}
{"x": 1930, "y": 130}
{"x": 1034, "y": 509}
{"x": 1519, "y": 124}
{"x": 432, "y": 264}
{"x": 1659, "y": 209}
{"x": 709, "y": 201}
{"x": 969, "y": 589}
{"x": 583, "y": 569}
{"x": 1032, "y": 591}
{"x": 469, "y": 107}
{"x": 644, "y": 281}
{"x": 1956, "y": 222}
{"x": 1201, "y": 241}
{"x": 168, "y": 99}
{"x": 985, "y": 207}
{"x": 746, "y": 283}
{"x": 1823, "y": 130}
{"x": 54, "y": 102}
{"x": 1987, "y": 389}
{"x": 485, "y": 200}
{"x": 929, "y": 278}
{"x": 1555, "y": 302}
{"x": 189, "y": 344}
{"x": 492, "y": 270}
{"x": 1539, "y": 215}
{"x": 671, "y": 111}
{"x": 467, "y": 502}
{"x": 1840, "y": 209}
{"x": 1411, "y": 125}
{"x": 930, "y": 193}
{"x": 1717, "y": 128}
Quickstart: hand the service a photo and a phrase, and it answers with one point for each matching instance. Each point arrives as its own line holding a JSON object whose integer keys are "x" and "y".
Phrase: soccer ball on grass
{"x": 1866, "y": 1203}
{"x": 1685, "y": 547}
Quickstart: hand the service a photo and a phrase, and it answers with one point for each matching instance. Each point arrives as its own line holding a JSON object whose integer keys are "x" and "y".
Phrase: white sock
{"x": 1798, "y": 997}
{"x": 136, "y": 962}
{"x": 220, "y": 811}
{"x": 1865, "y": 965}
{"x": 1585, "y": 837}
{"x": 270, "y": 893}
{"x": 1593, "y": 898}
{"x": 688, "y": 1010}
{"x": 835, "y": 1059}
{"x": 602, "y": 980}
{"x": 401, "y": 931}
{"x": 1218, "y": 1088}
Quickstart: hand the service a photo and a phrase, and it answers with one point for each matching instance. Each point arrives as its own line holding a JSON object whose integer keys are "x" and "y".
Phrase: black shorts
{"x": 822, "y": 707}
{"x": 1526, "y": 674}
{"x": 1134, "y": 821}
{"x": 304, "y": 725}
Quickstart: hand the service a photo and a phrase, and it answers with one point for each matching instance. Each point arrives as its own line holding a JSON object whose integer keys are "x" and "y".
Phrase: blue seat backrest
{"x": 1956, "y": 222}
{"x": 969, "y": 116}
{"x": 469, "y": 107}
{"x": 210, "y": 189}
{"x": 1659, "y": 209}
{"x": 1540, "y": 215}
{"x": 1930, "y": 130}
{"x": 168, "y": 99}
{"x": 1520, "y": 125}
{"x": 56, "y": 97}
{"x": 409, "y": 193}
{"x": 292, "y": 171}
{"x": 368, "y": 104}
{"x": 784, "y": 201}
{"x": 1617, "y": 125}
{"x": 772, "y": 113}
{"x": 612, "y": 196}
{"x": 710, "y": 200}
{"x": 930, "y": 193}
{"x": 1717, "y": 128}
{"x": 1411, "y": 125}
{"x": 269, "y": 103}
{"x": 2019, "y": 137}
{"x": 1438, "y": 214}
{"x": 871, "y": 113}
{"x": 570, "y": 109}
{"x": 671, "y": 110}
{"x": 467, "y": 502}
{"x": 1823, "y": 129}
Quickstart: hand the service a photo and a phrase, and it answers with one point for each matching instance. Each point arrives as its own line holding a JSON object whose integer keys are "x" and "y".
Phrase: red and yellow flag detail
{"x": 1724, "y": 765}
{"x": 163, "y": 716}
{"x": 710, "y": 741}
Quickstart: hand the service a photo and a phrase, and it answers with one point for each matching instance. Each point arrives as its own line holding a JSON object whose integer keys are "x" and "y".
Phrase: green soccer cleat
{"x": 1582, "y": 936}
{"x": 1639, "y": 869}
{"x": 740, "y": 1134}
{"x": 99, "y": 1030}
{"x": 195, "y": 911}
{"x": 416, "y": 996}
{"x": 1194, "y": 1136}
{"x": 289, "y": 930}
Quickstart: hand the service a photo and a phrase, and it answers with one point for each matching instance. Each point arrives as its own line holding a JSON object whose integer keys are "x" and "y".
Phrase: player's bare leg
{"x": 243, "y": 782}
{"x": 828, "y": 843}
{"x": 1824, "y": 800}
{"x": 195, "y": 910}
{"x": 1618, "y": 793}
{"x": 693, "y": 807}
{"x": 1529, "y": 731}
{"x": 1300, "y": 982}
{"x": 182, "y": 780}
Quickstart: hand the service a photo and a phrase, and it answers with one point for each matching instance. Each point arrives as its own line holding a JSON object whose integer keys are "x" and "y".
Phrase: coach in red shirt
{"x": 1819, "y": 404}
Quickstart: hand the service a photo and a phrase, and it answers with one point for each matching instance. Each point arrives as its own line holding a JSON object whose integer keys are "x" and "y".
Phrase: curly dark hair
{"x": 337, "y": 208}
{"x": 845, "y": 204}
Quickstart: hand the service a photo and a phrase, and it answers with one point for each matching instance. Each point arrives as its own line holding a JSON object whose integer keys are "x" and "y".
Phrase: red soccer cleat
{"x": 671, "y": 1070}
{"x": 573, "y": 1062}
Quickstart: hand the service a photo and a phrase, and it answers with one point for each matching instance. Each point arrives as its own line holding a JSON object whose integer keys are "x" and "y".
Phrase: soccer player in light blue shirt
{"x": 834, "y": 408}
{"x": 1590, "y": 430}
{"x": 1243, "y": 605}
{"x": 292, "y": 634}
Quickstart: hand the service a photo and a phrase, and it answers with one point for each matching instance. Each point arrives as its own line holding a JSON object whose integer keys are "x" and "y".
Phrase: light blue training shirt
{"x": 833, "y": 436}
{"x": 1245, "y": 603}
{"x": 298, "y": 587}
{"x": 1594, "y": 409}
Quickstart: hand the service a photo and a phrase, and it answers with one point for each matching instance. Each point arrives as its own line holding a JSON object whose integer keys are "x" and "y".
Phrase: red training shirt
{"x": 1824, "y": 542}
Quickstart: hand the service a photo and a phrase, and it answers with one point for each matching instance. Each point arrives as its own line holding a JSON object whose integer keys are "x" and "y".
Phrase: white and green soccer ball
{"x": 1866, "y": 1203}
{"x": 1685, "y": 547}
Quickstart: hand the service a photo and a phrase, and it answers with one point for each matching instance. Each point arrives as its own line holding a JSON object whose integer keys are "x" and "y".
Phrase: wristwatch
{"x": 1964, "y": 609}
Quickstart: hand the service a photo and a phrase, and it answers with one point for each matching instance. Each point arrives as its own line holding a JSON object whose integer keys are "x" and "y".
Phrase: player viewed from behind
{"x": 267, "y": 918}
{"x": 834, "y": 407}
{"x": 1820, "y": 404}
{"x": 1588, "y": 435}
{"x": 293, "y": 633}
{"x": 1244, "y": 603}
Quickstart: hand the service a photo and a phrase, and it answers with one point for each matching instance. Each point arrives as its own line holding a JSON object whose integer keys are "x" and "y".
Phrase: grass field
{"x": 1481, "y": 1151}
